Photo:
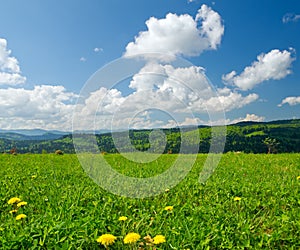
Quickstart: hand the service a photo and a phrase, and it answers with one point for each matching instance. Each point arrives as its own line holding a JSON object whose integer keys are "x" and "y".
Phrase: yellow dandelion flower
{"x": 158, "y": 239}
{"x": 106, "y": 239}
{"x": 33, "y": 176}
{"x": 131, "y": 238}
{"x": 13, "y": 211}
{"x": 20, "y": 216}
{"x": 14, "y": 200}
{"x": 169, "y": 208}
{"x": 298, "y": 177}
{"x": 237, "y": 198}
{"x": 22, "y": 203}
{"x": 123, "y": 218}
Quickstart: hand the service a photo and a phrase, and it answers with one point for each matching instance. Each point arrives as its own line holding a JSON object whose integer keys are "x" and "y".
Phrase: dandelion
{"x": 158, "y": 239}
{"x": 169, "y": 208}
{"x": 20, "y": 216}
{"x": 123, "y": 218}
{"x": 13, "y": 211}
{"x": 22, "y": 203}
{"x": 106, "y": 239}
{"x": 131, "y": 238}
{"x": 33, "y": 176}
{"x": 237, "y": 198}
{"x": 13, "y": 200}
{"x": 298, "y": 177}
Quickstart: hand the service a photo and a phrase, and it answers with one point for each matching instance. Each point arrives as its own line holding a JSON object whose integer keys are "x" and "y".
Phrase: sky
{"x": 187, "y": 60}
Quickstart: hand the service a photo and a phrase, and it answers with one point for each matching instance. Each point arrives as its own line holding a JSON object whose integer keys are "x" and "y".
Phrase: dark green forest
{"x": 248, "y": 137}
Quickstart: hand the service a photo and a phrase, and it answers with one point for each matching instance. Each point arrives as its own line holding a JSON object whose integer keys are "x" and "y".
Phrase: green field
{"x": 66, "y": 210}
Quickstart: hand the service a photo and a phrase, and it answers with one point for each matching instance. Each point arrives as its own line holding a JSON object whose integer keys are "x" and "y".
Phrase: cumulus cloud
{"x": 274, "y": 65}
{"x": 179, "y": 34}
{"x": 82, "y": 59}
{"x": 189, "y": 86}
{"x": 44, "y": 106}
{"x": 182, "y": 92}
{"x": 290, "y": 17}
{"x": 98, "y": 49}
{"x": 10, "y": 73}
{"x": 229, "y": 100}
{"x": 188, "y": 121}
{"x": 292, "y": 101}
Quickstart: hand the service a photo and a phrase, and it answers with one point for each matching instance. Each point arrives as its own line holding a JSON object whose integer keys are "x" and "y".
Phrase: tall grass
{"x": 250, "y": 202}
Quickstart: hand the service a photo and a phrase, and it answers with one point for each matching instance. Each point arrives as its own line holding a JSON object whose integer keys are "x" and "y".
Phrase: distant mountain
{"x": 41, "y": 134}
{"x": 31, "y": 134}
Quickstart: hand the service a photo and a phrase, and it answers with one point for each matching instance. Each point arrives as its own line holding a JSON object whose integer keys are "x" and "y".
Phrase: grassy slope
{"x": 67, "y": 210}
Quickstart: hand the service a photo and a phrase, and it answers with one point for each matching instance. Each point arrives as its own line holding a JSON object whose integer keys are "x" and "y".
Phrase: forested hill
{"x": 248, "y": 137}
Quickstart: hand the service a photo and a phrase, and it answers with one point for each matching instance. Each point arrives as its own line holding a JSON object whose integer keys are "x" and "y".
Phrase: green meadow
{"x": 250, "y": 202}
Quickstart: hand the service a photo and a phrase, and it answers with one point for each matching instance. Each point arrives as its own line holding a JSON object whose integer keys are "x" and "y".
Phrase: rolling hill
{"x": 246, "y": 137}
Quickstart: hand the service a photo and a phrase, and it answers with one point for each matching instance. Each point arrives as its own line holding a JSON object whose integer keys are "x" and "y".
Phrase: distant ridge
{"x": 31, "y": 134}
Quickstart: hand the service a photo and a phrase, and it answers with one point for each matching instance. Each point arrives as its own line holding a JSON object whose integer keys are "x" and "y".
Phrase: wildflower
{"x": 20, "y": 216}
{"x": 237, "y": 198}
{"x": 131, "y": 238}
{"x": 167, "y": 190}
{"x": 123, "y": 218}
{"x": 14, "y": 200}
{"x": 22, "y": 203}
{"x": 169, "y": 208}
{"x": 158, "y": 239}
{"x": 106, "y": 239}
{"x": 148, "y": 239}
{"x": 298, "y": 177}
{"x": 33, "y": 176}
{"x": 13, "y": 211}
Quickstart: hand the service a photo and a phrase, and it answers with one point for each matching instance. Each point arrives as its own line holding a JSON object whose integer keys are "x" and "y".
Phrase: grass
{"x": 256, "y": 133}
{"x": 67, "y": 210}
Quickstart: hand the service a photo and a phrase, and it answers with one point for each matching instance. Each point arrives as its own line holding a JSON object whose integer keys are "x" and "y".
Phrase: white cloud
{"x": 212, "y": 28}
{"x": 10, "y": 73}
{"x": 82, "y": 59}
{"x": 292, "y": 101}
{"x": 182, "y": 93}
{"x": 290, "y": 17}
{"x": 274, "y": 65}
{"x": 179, "y": 34}
{"x": 182, "y": 90}
{"x": 229, "y": 101}
{"x": 188, "y": 121}
{"x": 45, "y": 106}
{"x": 11, "y": 78}
{"x": 98, "y": 49}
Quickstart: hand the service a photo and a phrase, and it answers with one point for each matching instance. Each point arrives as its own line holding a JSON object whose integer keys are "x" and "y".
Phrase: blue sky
{"x": 50, "y": 49}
